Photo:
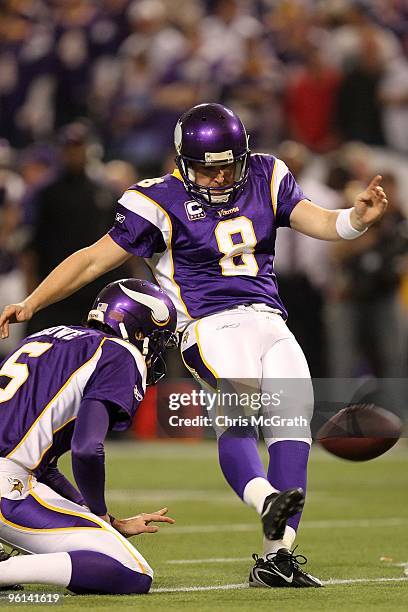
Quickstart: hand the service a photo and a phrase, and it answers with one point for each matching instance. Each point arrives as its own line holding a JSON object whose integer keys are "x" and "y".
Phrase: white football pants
{"x": 35, "y": 519}
{"x": 251, "y": 347}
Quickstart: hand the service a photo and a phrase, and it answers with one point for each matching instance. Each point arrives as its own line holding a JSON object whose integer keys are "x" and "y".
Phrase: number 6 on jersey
{"x": 16, "y": 372}
{"x": 236, "y": 240}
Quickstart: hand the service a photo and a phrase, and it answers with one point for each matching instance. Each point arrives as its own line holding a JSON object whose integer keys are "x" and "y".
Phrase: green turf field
{"x": 355, "y": 514}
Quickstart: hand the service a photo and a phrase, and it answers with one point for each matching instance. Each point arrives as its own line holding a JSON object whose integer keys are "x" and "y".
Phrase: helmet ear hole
{"x": 139, "y": 335}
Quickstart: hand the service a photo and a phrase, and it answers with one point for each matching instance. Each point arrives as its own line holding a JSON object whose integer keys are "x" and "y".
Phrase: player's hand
{"x": 14, "y": 313}
{"x": 140, "y": 523}
{"x": 369, "y": 206}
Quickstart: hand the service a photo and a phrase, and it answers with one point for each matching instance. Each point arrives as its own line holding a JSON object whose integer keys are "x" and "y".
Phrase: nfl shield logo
{"x": 194, "y": 210}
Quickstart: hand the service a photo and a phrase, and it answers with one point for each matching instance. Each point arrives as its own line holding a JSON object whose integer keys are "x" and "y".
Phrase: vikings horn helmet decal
{"x": 142, "y": 313}
{"x": 160, "y": 311}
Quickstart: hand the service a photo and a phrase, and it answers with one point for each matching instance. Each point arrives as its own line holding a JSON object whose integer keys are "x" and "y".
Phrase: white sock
{"x": 255, "y": 492}
{"x": 51, "y": 568}
{"x": 272, "y": 546}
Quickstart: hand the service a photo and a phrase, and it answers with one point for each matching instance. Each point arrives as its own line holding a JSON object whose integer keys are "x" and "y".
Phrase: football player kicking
{"x": 208, "y": 233}
{"x": 63, "y": 389}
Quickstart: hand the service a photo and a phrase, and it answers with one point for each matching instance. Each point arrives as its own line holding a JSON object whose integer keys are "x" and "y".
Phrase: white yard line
{"x": 323, "y": 524}
{"x": 228, "y": 587}
{"x": 358, "y": 580}
{"x": 205, "y": 561}
{"x": 221, "y": 587}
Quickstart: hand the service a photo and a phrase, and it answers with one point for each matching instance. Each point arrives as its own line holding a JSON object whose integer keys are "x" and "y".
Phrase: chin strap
{"x": 145, "y": 348}
{"x": 123, "y": 331}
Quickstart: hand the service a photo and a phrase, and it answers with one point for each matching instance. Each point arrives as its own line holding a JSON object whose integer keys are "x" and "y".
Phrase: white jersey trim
{"x": 137, "y": 356}
{"x": 161, "y": 264}
{"x": 146, "y": 208}
{"x": 62, "y": 409}
{"x": 280, "y": 170}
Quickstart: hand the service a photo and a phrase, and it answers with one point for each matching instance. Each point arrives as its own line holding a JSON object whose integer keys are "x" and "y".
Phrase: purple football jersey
{"x": 44, "y": 381}
{"x": 210, "y": 259}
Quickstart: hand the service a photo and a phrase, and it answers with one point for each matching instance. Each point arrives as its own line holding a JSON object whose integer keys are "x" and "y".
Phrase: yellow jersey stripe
{"x": 176, "y": 174}
{"x": 99, "y": 522}
{"x": 65, "y": 385}
{"x": 54, "y": 431}
{"x": 169, "y": 247}
{"x": 274, "y": 195}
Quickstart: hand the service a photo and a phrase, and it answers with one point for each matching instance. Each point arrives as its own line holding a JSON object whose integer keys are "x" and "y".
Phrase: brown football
{"x": 360, "y": 432}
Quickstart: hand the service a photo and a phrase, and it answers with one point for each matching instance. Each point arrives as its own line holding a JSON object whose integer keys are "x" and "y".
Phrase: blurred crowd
{"x": 90, "y": 91}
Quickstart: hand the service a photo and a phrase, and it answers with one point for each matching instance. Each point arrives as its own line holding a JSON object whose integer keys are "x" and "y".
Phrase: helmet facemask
{"x": 214, "y": 196}
{"x": 153, "y": 348}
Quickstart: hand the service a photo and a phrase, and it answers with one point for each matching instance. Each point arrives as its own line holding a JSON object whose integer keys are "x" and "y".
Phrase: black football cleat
{"x": 277, "y": 508}
{"x": 12, "y": 587}
{"x": 281, "y": 570}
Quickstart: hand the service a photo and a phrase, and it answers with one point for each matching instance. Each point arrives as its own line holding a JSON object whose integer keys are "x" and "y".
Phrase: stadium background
{"x": 89, "y": 94}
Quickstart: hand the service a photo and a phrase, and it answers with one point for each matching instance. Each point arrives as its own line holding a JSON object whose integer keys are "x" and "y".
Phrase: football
{"x": 360, "y": 432}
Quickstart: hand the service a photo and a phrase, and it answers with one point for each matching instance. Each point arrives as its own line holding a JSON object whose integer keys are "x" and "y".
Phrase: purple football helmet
{"x": 141, "y": 313}
{"x": 212, "y": 135}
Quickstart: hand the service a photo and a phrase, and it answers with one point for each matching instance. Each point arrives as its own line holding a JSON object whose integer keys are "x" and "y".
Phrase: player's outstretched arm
{"x": 317, "y": 222}
{"x": 77, "y": 270}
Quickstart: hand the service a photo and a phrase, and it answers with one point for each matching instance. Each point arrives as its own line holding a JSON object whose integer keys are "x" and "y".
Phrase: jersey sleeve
{"x": 289, "y": 194}
{"x": 120, "y": 379}
{"x": 285, "y": 192}
{"x": 137, "y": 229}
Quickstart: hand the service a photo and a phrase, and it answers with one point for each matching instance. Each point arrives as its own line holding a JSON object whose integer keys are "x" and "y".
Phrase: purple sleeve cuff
{"x": 289, "y": 195}
{"x": 88, "y": 453}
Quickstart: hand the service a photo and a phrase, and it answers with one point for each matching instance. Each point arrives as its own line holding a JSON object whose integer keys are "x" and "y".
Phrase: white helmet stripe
{"x": 157, "y": 306}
